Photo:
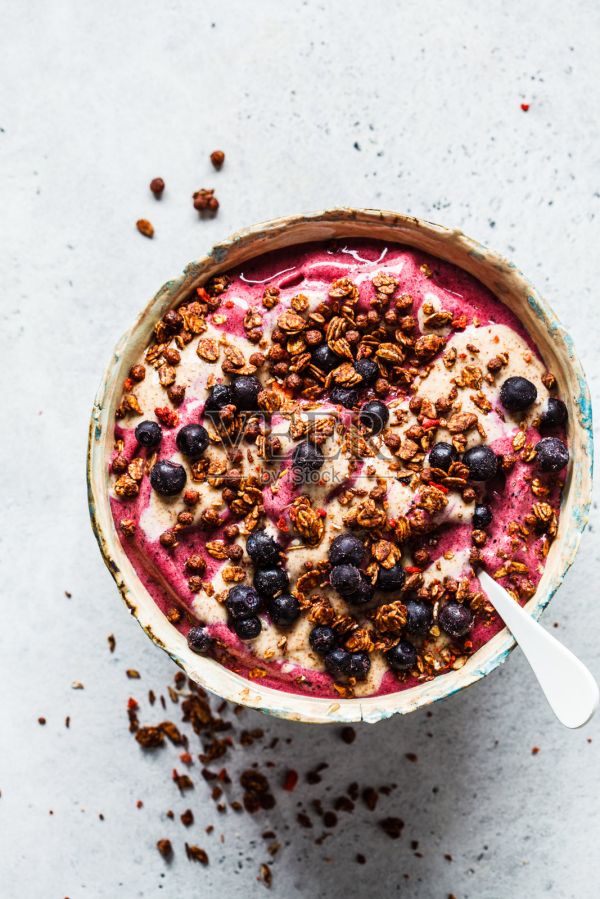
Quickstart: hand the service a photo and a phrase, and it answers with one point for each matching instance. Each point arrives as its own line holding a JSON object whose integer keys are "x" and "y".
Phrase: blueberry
{"x": 455, "y": 619}
{"x": 192, "y": 440}
{"x": 337, "y": 661}
{"x": 269, "y": 581}
{"x": 243, "y": 602}
{"x": 482, "y": 517}
{"x": 245, "y": 390}
{"x": 374, "y": 416}
{"x": 346, "y": 548}
{"x": 368, "y": 370}
{"x": 247, "y": 628}
{"x": 517, "y": 394}
{"x": 325, "y": 359}
{"x": 389, "y": 579}
{"x": 419, "y": 616}
{"x": 148, "y": 433}
{"x": 322, "y": 639}
{"x": 168, "y": 478}
{"x": 554, "y": 415}
{"x": 263, "y": 549}
{"x": 284, "y": 610}
{"x": 199, "y": 641}
{"x": 402, "y": 657}
{"x": 363, "y": 594}
{"x": 442, "y": 455}
{"x": 481, "y": 462}
{"x": 358, "y": 665}
{"x": 344, "y": 396}
{"x": 306, "y": 460}
{"x": 219, "y": 397}
{"x": 345, "y": 579}
{"x": 551, "y": 454}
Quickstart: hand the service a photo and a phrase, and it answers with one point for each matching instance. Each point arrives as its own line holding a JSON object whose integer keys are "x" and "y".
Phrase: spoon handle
{"x": 568, "y": 686}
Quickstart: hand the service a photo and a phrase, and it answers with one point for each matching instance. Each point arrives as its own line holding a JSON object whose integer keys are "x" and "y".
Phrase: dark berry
{"x": 551, "y": 454}
{"x": 199, "y": 641}
{"x": 337, "y": 661}
{"x": 517, "y": 394}
{"x": 363, "y": 594}
{"x": 148, "y": 433}
{"x": 219, "y": 397}
{"x": 389, "y": 579}
{"x": 269, "y": 581}
{"x": 374, "y": 416}
{"x": 344, "y": 396}
{"x": 346, "y": 548}
{"x": 482, "y": 517}
{"x": 325, "y": 359}
{"x": 247, "y": 628}
{"x": 419, "y": 616}
{"x": 192, "y": 440}
{"x": 284, "y": 610}
{"x": 306, "y": 461}
{"x": 368, "y": 370}
{"x": 482, "y": 463}
{"x": 555, "y": 414}
{"x": 263, "y": 549}
{"x": 345, "y": 579}
{"x": 243, "y": 602}
{"x": 245, "y": 390}
{"x": 442, "y": 455}
{"x": 455, "y": 619}
{"x": 358, "y": 665}
{"x": 322, "y": 639}
{"x": 402, "y": 657}
{"x": 168, "y": 478}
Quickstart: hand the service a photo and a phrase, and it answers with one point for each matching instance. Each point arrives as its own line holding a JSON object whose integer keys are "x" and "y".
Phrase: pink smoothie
{"x": 461, "y": 377}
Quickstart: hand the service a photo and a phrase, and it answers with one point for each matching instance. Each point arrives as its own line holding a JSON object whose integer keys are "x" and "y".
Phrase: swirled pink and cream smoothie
{"x": 317, "y": 451}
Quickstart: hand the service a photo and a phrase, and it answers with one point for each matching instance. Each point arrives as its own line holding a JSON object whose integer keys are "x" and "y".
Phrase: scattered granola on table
{"x": 241, "y": 771}
{"x": 315, "y": 453}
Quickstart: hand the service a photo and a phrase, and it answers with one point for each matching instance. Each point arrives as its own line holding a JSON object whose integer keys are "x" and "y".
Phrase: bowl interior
{"x": 509, "y": 285}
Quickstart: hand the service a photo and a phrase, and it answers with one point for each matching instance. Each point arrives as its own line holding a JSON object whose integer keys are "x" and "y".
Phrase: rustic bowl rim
{"x": 210, "y": 674}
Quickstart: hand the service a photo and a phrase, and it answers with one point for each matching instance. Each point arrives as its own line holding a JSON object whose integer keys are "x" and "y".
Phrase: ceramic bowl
{"x": 509, "y": 285}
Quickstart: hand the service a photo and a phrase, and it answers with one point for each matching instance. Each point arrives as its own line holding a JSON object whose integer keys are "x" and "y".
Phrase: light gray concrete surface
{"x": 413, "y": 106}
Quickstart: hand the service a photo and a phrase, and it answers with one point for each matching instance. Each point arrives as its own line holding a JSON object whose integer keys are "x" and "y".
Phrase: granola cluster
{"x": 358, "y": 408}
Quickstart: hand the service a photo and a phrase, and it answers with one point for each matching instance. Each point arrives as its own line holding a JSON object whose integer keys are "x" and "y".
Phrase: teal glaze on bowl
{"x": 510, "y": 286}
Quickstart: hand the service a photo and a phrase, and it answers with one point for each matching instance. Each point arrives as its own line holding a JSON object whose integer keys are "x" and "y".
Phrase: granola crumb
{"x": 196, "y": 854}
{"x": 205, "y": 201}
{"x": 157, "y": 186}
{"x": 145, "y": 227}
{"x": 265, "y": 875}
{"x": 217, "y": 157}
{"x": 165, "y": 848}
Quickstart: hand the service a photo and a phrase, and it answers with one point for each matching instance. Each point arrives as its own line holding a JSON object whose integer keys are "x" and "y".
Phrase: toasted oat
{"x": 126, "y": 487}
{"x": 391, "y": 617}
{"x": 309, "y": 524}
{"x": 208, "y": 349}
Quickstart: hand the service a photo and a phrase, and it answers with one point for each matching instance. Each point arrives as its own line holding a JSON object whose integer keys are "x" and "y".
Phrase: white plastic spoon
{"x": 568, "y": 686}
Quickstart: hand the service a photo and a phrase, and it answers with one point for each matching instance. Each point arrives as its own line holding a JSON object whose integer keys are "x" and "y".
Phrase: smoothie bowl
{"x": 307, "y": 446}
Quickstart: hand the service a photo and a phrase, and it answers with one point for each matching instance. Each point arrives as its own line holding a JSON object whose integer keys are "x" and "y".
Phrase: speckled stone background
{"x": 413, "y": 106}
